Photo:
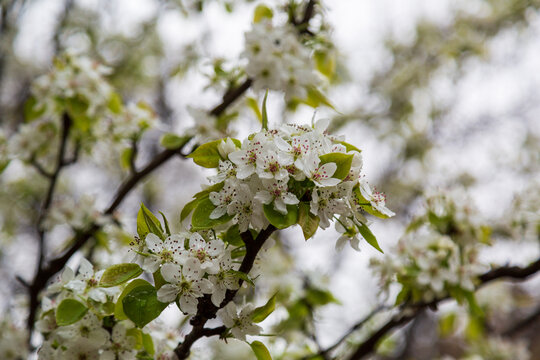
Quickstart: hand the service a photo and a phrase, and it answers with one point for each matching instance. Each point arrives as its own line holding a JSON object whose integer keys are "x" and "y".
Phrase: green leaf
{"x": 343, "y": 162}
{"x": 260, "y": 351}
{"x": 315, "y": 98}
{"x": 349, "y": 147}
{"x": 159, "y": 281}
{"x": 173, "y": 142}
{"x": 166, "y": 222}
{"x": 368, "y": 235}
{"x": 238, "y": 252}
{"x": 190, "y": 206}
{"x": 320, "y": 297}
{"x": 264, "y": 112}
{"x": 262, "y": 12}
{"x": 118, "y": 307}
{"x": 31, "y": 111}
{"x": 325, "y": 61}
{"x": 115, "y": 103}
{"x": 141, "y": 305}
{"x": 207, "y": 155}
{"x": 125, "y": 157}
{"x": 232, "y": 236}
{"x": 137, "y": 335}
{"x": 367, "y": 207}
{"x": 200, "y": 220}
{"x": 69, "y": 312}
{"x": 402, "y": 296}
{"x": 148, "y": 223}
{"x": 308, "y": 221}
{"x": 262, "y": 312}
{"x": 76, "y": 107}
{"x": 279, "y": 220}
{"x": 474, "y": 329}
{"x": 119, "y": 274}
{"x": 252, "y": 103}
{"x": 148, "y": 343}
{"x": 242, "y": 275}
{"x": 447, "y": 324}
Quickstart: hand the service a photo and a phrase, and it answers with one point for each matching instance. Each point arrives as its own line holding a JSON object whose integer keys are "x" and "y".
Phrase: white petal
{"x": 86, "y": 269}
{"x": 154, "y": 243}
{"x": 188, "y": 304}
{"x": 171, "y": 273}
{"x": 167, "y": 293}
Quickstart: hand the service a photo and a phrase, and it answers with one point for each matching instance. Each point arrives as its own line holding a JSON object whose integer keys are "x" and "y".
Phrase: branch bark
{"x": 206, "y": 309}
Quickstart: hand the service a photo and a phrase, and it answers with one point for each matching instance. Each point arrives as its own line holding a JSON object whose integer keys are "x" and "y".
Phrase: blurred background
{"x": 441, "y": 96}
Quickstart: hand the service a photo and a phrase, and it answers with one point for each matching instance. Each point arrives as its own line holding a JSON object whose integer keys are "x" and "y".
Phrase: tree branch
{"x": 206, "y": 309}
{"x": 231, "y": 96}
{"x": 409, "y": 311}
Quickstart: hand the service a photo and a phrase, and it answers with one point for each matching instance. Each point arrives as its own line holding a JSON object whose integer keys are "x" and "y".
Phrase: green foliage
{"x": 369, "y": 237}
{"x": 252, "y": 104}
{"x": 343, "y": 162}
{"x": 325, "y": 61}
{"x": 262, "y": 312}
{"x": 349, "y": 147}
{"x": 262, "y": 12}
{"x": 201, "y": 216}
{"x": 264, "y": 115}
{"x": 308, "y": 221}
{"x": 447, "y": 324}
{"x": 70, "y": 311}
{"x": 366, "y": 205}
{"x": 279, "y": 220}
{"x": 243, "y": 276}
{"x": 172, "y": 141}
{"x": 232, "y": 236}
{"x": 115, "y": 104}
{"x": 207, "y": 155}
{"x": 118, "y": 307}
{"x": 260, "y": 351}
{"x": 148, "y": 223}
{"x": 31, "y": 110}
{"x": 119, "y": 274}
{"x": 141, "y": 305}
{"x": 320, "y": 297}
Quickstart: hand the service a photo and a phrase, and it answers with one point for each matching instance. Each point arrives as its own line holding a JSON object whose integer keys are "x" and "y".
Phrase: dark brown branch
{"x": 206, "y": 309}
{"x": 40, "y": 169}
{"x": 410, "y": 312}
{"x": 53, "y": 179}
{"x": 133, "y": 156}
{"x": 231, "y": 96}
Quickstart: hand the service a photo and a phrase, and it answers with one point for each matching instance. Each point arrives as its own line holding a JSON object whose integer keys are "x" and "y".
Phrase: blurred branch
{"x": 62, "y": 21}
{"x": 206, "y": 309}
{"x": 410, "y": 311}
{"x": 231, "y": 96}
{"x": 53, "y": 179}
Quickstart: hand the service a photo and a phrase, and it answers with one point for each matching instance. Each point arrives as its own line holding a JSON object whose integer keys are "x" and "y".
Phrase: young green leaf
{"x": 200, "y": 220}
{"x": 367, "y": 207}
{"x": 115, "y": 103}
{"x": 118, "y": 307}
{"x": 343, "y": 162}
{"x": 148, "y": 343}
{"x": 190, "y": 206}
{"x": 262, "y": 12}
{"x": 349, "y": 147}
{"x": 141, "y": 305}
{"x": 207, "y": 155}
{"x": 166, "y": 222}
{"x": 264, "y": 112}
{"x": 368, "y": 235}
{"x": 260, "y": 351}
{"x": 31, "y": 111}
{"x": 252, "y": 104}
{"x": 242, "y": 275}
{"x": 148, "y": 223}
{"x": 262, "y": 312}
{"x": 232, "y": 236}
{"x": 70, "y": 311}
{"x": 308, "y": 221}
{"x": 279, "y": 220}
{"x": 119, "y": 274}
{"x": 172, "y": 141}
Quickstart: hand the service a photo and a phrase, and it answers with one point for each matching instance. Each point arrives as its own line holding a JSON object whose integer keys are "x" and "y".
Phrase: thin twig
{"x": 410, "y": 312}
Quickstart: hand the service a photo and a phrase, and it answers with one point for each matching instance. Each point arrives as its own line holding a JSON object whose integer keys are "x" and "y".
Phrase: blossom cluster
{"x": 275, "y": 174}
{"x": 76, "y": 86}
{"x": 495, "y": 347}
{"x": 438, "y": 256}
{"x": 203, "y": 267}
{"x": 277, "y": 60}
{"x": 96, "y": 334}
